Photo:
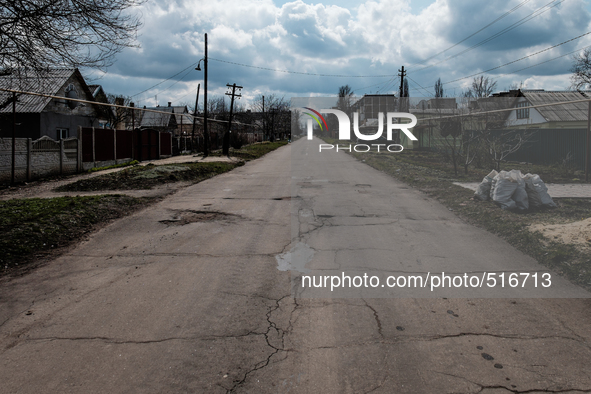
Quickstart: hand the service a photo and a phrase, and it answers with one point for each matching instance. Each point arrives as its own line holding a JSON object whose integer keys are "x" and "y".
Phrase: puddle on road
{"x": 296, "y": 259}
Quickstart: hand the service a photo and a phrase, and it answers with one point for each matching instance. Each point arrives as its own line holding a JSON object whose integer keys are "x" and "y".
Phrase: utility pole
{"x": 226, "y": 143}
{"x": 132, "y": 105}
{"x": 402, "y": 74}
{"x": 205, "y": 131}
{"x": 587, "y": 145}
{"x": 195, "y": 119}
{"x": 264, "y": 130}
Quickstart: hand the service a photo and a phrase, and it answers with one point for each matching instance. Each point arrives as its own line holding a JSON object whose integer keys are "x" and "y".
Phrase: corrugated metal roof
{"x": 559, "y": 113}
{"x": 155, "y": 119}
{"x": 46, "y": 82}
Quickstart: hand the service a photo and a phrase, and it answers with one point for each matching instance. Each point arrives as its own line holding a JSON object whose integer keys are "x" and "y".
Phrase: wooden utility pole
{"x": 264, "y": 129}
{"x": 205, "y": 131}
{"x": 272, "y": 139}
{"x": 402, "y": 74}
{"x": 587, "y": 145}
{"x": 226, "y": 143}
{"x": 195, "y": 119}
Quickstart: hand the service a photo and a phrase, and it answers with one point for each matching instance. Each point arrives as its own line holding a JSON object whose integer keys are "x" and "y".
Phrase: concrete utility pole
{"x": 226, "y": 144}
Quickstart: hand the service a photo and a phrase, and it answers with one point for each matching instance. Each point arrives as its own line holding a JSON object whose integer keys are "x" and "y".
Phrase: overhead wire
{"x": 527, "y": 18}
{"x": 473, "y": 34}
{"x": 167, "y": 79}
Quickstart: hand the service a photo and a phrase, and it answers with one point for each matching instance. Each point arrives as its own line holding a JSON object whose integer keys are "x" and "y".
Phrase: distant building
{"x": 166, "y": 121}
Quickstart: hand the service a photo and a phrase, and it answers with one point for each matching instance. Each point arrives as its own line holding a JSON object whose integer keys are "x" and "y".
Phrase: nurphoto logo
{"x": 393, "y": 120}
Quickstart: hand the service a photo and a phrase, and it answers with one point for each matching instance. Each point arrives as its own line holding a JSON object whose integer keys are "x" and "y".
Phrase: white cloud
{"x": 373, "y": 38}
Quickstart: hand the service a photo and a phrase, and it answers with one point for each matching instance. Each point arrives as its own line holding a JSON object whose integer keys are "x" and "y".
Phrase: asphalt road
{"x": 196, "y": 294}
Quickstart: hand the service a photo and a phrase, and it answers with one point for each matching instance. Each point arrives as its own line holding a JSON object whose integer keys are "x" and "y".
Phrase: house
{"x": 38, "y": 116}
{"x": 163, "y": 120}
{"x": 564, "y": 116}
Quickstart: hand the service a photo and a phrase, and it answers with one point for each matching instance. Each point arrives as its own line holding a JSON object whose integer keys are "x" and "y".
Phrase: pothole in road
{"x": 309, "y": 185}
{"x": 182, "y": 218}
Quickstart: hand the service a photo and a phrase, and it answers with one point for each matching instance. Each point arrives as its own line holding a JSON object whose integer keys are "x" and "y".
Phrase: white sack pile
{"x": 514, "y": 191}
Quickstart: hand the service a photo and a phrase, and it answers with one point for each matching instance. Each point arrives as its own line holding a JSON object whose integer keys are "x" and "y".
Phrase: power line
{"x": 167, "y": 79}
{"x": 299, "y": 72}
{"x": 416, "y": 83}
{"x": 375, "y": 84}
{"x": 525, "y": 19}
{"x": 476, "y": 32}
{"x": 525, "y": 57}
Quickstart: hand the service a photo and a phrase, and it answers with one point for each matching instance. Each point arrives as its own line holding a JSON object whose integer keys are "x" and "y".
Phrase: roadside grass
{"x": 34, "y": 228}
{"x": 146, "y": 177}
{"x": 253, "y": 151}
{"x": 130, "y": 163}
{"x": 426, "y": 171}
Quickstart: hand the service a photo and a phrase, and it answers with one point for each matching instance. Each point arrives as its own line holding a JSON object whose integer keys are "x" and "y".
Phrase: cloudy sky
{"x": 367, "y": 42}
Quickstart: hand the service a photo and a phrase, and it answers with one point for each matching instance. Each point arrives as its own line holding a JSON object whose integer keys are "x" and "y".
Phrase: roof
{"x": 46, "y": 82}
{"x": 560, "y": 113}
{"x": 178, "y": 110}
{"x": 155, "y": 119}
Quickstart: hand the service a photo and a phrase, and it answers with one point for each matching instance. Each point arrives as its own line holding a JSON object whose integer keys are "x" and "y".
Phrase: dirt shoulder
{"x": 542, "y": 234}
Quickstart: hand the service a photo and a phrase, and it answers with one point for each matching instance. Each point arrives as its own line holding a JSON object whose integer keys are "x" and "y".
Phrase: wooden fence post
{"x": 93, "y": 149}
{"x": 79, "y": 165}
{"x": 115, "y": 145}
{"x": 29, "y": 149}
{"x": 61, "y": 156}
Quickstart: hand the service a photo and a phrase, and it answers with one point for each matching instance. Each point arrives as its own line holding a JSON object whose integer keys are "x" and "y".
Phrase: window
{"x": 523, "y": 112}
{"x": 62, "y": 133}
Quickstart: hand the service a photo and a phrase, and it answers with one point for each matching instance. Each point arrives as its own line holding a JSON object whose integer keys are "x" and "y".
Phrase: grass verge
{"x": 425, "y": 171}
{"x": 146, "y": 177}
{"x": 31, "y": 229}
{"x": 130, "y": 163}
{"x": 253, "y": 151}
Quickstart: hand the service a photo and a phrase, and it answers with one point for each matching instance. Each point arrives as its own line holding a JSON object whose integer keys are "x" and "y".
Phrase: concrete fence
{"x": 39, "y": 158}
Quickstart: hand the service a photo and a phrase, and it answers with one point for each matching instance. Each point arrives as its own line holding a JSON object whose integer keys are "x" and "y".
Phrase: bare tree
{"x": 581, "y": 70}
{"x": 276, "y": 116}
{"x": 481, "y": 87}
{"x": 438, "y": 88}
{"x": 296, "y": 127}
{"x": 117, "y": 117}
{"x": 37, "y": 34}
{"x": 345, "y": 95}
{"x": 502, "y": 143}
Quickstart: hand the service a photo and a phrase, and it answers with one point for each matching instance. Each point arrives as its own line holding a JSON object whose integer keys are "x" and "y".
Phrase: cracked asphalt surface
{"x": 186, "y": 296}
